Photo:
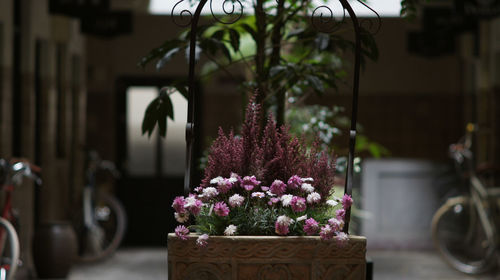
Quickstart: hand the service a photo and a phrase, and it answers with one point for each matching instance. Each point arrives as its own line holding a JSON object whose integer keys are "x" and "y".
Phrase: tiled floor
{"x": 150, "y": 263}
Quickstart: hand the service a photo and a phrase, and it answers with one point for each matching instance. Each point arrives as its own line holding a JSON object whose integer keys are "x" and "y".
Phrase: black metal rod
{"x": 190, "y": 125}
{"x": 354, "y": 113}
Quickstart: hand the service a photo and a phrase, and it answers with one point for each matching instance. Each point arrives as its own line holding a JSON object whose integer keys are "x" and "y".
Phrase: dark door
{"x": 152, "y": 167}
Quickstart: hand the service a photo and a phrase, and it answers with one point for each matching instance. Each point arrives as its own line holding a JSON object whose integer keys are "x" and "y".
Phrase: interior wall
{"x": 42, "y": 32}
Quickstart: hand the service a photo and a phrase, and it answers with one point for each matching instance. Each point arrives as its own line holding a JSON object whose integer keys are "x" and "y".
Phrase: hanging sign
{"x": 77, "y": 8}
{"x": 480, "y": 9}
{"x": 107, "y": 24}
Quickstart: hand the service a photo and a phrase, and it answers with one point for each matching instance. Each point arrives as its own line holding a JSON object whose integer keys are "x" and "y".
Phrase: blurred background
{"x": 69, "y": 83}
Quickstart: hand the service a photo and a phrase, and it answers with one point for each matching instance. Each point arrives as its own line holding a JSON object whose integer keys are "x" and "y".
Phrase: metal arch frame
{"x": 190, "y": 126}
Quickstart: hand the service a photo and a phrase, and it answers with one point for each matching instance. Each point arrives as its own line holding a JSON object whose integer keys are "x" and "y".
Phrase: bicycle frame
{"x": 481, "y": 199}
{"x": 6, "y": 214}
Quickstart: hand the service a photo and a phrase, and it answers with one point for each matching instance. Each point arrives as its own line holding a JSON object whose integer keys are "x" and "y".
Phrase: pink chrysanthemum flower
{"x": 340, "y": 214}
{"x": 294, "y": 182}
{"x": 264, "y": 188}
{"x": 336, "y": 225}
{"x": 178, "y": 204}
{"x": 298, "y": 204}
{"x": 221, "y": 209}
{"x": 224, "y": 185}
{"x": 346, "y": 201}
{"x": 342, "y": 239}
{"x": 192, "y": 204}
{"x": 181, "y": 232}
{"x": 282, "y": 225}
{"x": 278, "y": 187}
{"x": 326, "y": 232}
{"x": 236, "y": 200}
{"x": 273, "y": 200}
{"x": 202, "y": 241}
{"x": 311, "y": 226}
{"x": 249, "y": 182}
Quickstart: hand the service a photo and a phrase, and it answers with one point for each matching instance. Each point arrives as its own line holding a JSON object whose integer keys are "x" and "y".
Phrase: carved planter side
{"x": 265, "y": 257}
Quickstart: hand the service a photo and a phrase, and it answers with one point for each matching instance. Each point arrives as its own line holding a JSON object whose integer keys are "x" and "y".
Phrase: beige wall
{"x": 60, "y": 175}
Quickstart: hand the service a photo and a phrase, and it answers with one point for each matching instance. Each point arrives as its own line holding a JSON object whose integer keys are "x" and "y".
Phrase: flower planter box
{"x": 265, "y": 257}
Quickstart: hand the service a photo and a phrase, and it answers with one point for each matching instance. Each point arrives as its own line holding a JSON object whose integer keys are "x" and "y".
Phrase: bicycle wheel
{"x": 105, "y": 236}
{"x": 9, "y": 250}
{"x": 460, "y": 238}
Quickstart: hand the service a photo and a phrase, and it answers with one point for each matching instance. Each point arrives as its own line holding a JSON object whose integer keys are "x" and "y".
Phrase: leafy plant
{"x": 284, "y": 54}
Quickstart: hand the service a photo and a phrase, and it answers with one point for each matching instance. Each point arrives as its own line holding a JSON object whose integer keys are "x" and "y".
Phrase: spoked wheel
{"x": 105, "y": 236}
{"x": 460, "y": 237}
{"x": 9, "y": 250}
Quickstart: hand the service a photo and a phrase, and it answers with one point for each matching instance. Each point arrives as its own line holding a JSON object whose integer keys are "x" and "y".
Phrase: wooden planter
{"x": 265, "y": 257}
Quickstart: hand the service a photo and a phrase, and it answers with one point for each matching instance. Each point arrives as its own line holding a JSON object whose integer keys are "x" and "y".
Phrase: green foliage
{"x": 284, "y": 54}
{"x": 326, "y": 125}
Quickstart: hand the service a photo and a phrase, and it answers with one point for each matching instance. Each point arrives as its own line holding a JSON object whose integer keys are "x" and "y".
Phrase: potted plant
{"x": 264, "y": 210}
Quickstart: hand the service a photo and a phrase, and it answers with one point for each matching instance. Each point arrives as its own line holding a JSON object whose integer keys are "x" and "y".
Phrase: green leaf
{"x": 160, "y": 51}
{"x": 315, "y": 83}
{"x": 322, "y": 41}
{"x": 250, "y": 30}
{"x": 218, "y": 35}
{"x": 150, "y": 117}
{"x": 234, "y": 36}
{"x": 161, "y": 63}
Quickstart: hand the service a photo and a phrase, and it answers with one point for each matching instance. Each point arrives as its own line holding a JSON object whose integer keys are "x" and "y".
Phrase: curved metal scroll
{"x": 190, "y": 127}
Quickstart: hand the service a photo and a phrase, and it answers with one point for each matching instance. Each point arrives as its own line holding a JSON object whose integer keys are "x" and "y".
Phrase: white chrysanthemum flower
{"x": 189, "y": 201}
{"x": 236, "y": 200}
{"x": 233, "y": 178}
{"x": 181, "y": 218}
{"x": 269, "y": 193}
{"x": 258, "y": 194}
{"x": 331, "y": 202}
{"x": 216, "y": 180}
{"x": 230, "y": 230}
{"x": 308, "y": 188}
{"x": 284, "y": 220}
{"x": 210, "y": 192}
{"x": 313, "y": 197}
{"x": 286, "y": 199}
{"x": 301, "y": 218}
{"x": 309, "y": 179}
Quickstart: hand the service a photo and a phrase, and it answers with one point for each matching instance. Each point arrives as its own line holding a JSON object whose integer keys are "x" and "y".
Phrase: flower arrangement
{"x": 264, "y": 182}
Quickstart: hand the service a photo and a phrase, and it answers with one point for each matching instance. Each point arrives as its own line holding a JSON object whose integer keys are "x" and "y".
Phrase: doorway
{"x": 152, "y": 167}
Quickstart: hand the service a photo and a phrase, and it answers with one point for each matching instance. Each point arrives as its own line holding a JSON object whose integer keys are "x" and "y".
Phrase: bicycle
{"x": 465, "y": 228}
{"x": 12, "y": 173}
{"x": 100, "y": 226}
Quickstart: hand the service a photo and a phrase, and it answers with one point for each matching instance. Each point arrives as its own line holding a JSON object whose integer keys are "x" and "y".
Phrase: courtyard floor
{"x": 151, "y": 263}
